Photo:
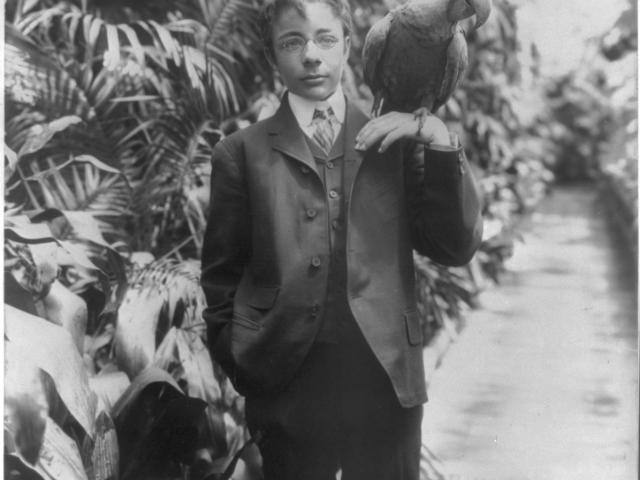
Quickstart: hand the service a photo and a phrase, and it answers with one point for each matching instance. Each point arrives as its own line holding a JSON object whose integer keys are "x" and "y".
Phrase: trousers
{"x": 340, "y": 412}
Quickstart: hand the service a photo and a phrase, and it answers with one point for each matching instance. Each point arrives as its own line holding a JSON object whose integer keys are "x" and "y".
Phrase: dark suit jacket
{"x": 265, "y": 257}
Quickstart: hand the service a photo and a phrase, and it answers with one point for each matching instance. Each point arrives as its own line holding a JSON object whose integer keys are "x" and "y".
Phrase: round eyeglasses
{"x": 295, "y": 45}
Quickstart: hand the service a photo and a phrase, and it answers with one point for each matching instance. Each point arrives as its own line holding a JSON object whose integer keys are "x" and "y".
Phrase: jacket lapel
{"x": 288, "y": 137}
{"x": 354, "y": 121}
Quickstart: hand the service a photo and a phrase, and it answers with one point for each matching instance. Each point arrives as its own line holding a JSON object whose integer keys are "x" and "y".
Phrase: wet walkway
{"x": 542, "y": 383}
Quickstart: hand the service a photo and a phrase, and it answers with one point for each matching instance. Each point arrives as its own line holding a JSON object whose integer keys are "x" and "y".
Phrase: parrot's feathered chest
{"x": 415, "y": 60}
{"x": 415, "y": 56}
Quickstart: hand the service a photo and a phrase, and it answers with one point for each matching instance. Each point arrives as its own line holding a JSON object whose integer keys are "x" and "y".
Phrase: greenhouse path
{"x": 542, "y": 382}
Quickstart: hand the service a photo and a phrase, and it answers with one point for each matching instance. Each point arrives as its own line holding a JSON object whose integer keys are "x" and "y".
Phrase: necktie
{"x": 323, "y": 131}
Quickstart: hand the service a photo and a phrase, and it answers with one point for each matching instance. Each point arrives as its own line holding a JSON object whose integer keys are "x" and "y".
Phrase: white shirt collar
{"x": 303, "y": 108}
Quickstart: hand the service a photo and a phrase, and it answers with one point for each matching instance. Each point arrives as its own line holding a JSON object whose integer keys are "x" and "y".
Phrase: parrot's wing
{"x": 456, "y": 63}
{"x": 374, "y": 47}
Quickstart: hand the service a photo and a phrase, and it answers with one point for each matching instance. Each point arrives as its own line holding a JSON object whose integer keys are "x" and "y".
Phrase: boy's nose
{"x": 311, "y": 52}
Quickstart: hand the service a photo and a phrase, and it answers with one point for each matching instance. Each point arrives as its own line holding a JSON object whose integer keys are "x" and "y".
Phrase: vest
{"x": 337, "y": 178}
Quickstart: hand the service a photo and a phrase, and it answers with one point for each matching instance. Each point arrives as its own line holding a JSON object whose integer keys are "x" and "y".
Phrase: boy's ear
{"x": 347, "y": 46}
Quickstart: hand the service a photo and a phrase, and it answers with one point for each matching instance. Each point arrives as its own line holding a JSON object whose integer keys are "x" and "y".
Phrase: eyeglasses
{"x": 295, "y": 45}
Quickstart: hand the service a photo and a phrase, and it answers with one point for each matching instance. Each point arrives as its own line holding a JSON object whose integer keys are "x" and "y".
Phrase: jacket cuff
{"x": 439, "y": 162}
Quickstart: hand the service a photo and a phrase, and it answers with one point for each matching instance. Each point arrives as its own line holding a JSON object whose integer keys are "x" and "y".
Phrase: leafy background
{"x": 112, "y": 110}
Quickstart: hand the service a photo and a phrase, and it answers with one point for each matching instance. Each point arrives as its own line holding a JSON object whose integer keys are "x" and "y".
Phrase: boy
{"x": 307, "y": 261}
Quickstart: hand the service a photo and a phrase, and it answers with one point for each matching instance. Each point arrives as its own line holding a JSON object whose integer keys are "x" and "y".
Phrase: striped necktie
{"x": 323, "y": 130}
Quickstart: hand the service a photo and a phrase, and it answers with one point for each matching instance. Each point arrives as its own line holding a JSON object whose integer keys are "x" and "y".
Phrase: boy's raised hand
{"x": 393, "y": 126}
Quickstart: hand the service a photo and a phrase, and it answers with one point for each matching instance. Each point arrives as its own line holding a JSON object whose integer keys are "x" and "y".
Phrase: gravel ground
{"x": 542, "y": 384}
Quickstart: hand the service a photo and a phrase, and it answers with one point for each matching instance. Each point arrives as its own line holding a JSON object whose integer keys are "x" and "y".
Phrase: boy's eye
{"x": 292, "y": 45}
{"x": 326, "y": 41}
{"x": 297, "y": 44}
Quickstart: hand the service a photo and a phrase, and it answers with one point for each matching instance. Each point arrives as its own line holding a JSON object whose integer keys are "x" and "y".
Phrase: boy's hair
{"x": 273, "y": 8}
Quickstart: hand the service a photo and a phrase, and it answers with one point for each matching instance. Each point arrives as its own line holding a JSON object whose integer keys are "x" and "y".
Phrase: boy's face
{"x": 312, "y": 72}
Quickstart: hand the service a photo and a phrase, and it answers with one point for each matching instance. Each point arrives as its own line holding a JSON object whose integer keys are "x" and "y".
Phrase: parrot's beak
{"x": 482, "y": 9}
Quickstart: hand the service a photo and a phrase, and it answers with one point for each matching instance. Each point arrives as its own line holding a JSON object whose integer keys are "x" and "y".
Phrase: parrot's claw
{"x": 421, "y": 115}
{"x": 377, "y": 106}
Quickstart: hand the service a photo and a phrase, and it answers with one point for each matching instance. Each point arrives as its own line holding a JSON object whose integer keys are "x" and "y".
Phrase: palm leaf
{"x": 162, "y": 294}
{"x": 229, "y": 28}
{"x": 176, "y": 161}
{"x": 35, "y": 83}
{"x": 83, "y": 183}
{"x": 39, "y": 135}
{"x": 179, "y": 281}
{"x": 33, "y": 78}
{"x": 85, "y": 203}
{"x": 57, "y": 356}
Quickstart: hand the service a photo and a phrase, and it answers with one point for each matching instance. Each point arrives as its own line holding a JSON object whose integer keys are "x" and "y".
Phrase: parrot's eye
{"x": 297, "y": 44}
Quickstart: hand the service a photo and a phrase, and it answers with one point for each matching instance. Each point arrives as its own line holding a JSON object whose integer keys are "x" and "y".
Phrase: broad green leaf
{"x": 145, "y": 379}
{"x": 156, "y": 424}
{"x": 136, "y": 330}
{"x": 51, "y": 348}
{"x": 109, "y": 387}
{"x": 41, "y": 134}
{"x": 136, "y": 47}
{"x": 60, "y": 457}
{"x": 16, "y": 465}
{"x": 85, "y": 227}
{"x": 135, "y": 99}
{"x": 112, "y": 55}
{"x": 11, "y": 161}
{"x": 25, "y": 405}
{"x": 65, "y": 308}
{"x": 198, "y": 367}
{"x": 20, "y": 229}
{"x": 166, "y": 355}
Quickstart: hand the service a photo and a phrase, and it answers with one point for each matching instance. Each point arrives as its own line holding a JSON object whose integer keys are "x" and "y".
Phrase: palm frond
{"x": 82, "y": 183}
{"x": 179, "y": 282}
{"x": 178, "y": 153}
{"x": 229, "y": 28}
{"x": 42, "y": 91}
{"x": 33, "y": 78}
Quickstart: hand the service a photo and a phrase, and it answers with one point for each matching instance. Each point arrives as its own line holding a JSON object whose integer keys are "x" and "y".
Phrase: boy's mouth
{"x": 313, "y": 77}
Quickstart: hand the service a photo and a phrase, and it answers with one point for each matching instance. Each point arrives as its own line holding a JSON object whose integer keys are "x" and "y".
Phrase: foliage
{"x": 111, "y": 120}
{"x": 113, "y": 109}
{"x": 618, "y": 153}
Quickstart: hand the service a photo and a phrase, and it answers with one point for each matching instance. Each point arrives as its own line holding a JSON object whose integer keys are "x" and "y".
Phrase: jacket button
{"x": 333, "y": 194}
{"x": 304, "y": 169}
{"x": 311, "y": 213}
{"x": 330, "y": 164}
{"x": 316, "y": 262}
{"x": 315, "y": 310}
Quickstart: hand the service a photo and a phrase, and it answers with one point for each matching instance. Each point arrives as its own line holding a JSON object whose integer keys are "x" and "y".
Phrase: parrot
{"x": 414, "y": 57}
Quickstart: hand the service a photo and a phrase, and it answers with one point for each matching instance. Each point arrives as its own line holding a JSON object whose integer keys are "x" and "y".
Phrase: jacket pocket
{"x": 262, "y": 298}
{"x": 245, "y": 321}
{"x": 414, "y": 330}
{"x": 252, "y": 304}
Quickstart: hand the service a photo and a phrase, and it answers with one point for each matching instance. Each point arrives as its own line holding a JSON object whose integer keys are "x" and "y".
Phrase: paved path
{"x": 542, "y": 383}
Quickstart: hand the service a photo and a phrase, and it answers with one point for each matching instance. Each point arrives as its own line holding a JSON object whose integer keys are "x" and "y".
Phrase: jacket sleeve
{"x": 444, "y": 204}
{"x": 226, "y": 249}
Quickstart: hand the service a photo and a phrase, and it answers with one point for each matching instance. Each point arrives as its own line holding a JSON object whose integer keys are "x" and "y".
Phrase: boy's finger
{"x": 377, "y": 122}
{"x": 369, "y": 135}
{"x": 390, "y": 138}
